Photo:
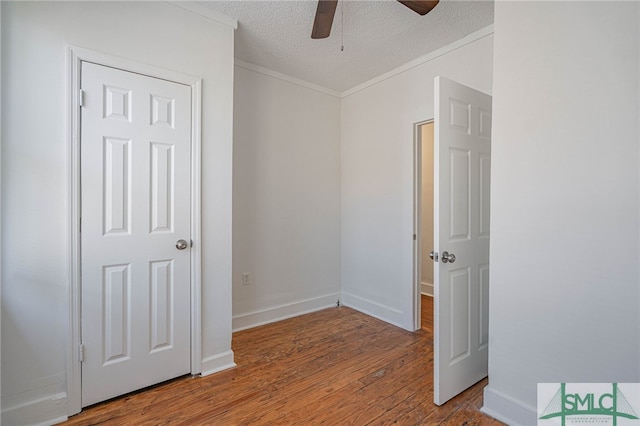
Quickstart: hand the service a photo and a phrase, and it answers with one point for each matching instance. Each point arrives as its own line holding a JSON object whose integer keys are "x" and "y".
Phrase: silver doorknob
{"x": 446, "y": 257}
{"x": 181, "y": 244}
{"x": 433, "y": 255}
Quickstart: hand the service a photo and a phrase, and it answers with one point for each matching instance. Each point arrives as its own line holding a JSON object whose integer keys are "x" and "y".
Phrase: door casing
{"x": 75, "y": 56}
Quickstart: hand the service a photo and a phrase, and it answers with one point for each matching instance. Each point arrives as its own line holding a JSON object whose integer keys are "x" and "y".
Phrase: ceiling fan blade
{"x": 420, "y": 7}
{"x": 324, "y": 18}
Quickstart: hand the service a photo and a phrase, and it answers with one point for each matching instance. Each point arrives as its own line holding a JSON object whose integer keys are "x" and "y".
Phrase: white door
{"x": 462, "y": 145}
{"x": 135, "y": 178}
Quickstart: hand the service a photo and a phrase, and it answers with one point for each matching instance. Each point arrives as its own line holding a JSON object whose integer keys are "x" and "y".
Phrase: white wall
{"x": 35, "y": 186}
{"x": 377, "y": 178}
{"x": 0, "y": 215}
{"x": 286, "y": 198}
{"x": 565, "y": 301}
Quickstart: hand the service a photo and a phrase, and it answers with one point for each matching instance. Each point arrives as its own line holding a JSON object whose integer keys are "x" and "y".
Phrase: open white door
{"x": 135, "y": 165}
{"x": 462, "y": 145}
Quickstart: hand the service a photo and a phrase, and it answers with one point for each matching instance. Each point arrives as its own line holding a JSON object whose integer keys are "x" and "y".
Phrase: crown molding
{"x": 199, "y": 9}
{"x": 477, "y": 35}
{"x": 284, "y": 77}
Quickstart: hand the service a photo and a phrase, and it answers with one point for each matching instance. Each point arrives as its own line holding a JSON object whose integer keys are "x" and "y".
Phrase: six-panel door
{"x": 135, "y": 174}
{"x": 462, "y": 143}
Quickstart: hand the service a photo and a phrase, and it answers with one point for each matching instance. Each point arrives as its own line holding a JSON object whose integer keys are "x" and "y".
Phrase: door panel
{"x": 483, "y": 341}
{"x": 485, "y": 179}
{"x": 462, "y": 171}
{"x": 162, "y": 290}
{"x": 117, "y": 325}
{"x": 459, "y": 165}
{"x": 459, "y": 287}
{"x": 117, "y": 185}
{"x": 135, "y": 174}
{"x": 161, "y": 187}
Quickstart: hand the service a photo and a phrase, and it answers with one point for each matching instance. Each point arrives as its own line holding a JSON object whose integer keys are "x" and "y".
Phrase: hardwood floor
{"x": 426, "y": 313}
{"x": 333, "y": 367}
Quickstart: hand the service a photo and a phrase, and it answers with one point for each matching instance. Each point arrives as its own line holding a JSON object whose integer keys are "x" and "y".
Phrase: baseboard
{"x": 49, "y": 410}
{"x": 426, "y": 288}
{"x": 281, "y": 312}
{"x": 218, "y": 362}
{"x": 507, "y": 409}
{"x": 371, "y": 308}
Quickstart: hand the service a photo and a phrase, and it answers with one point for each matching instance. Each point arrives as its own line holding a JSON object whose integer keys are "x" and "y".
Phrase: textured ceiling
{"x": 378, "y": 36}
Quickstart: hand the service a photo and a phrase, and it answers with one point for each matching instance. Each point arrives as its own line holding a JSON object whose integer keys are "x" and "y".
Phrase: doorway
{"x": 425, "y": 153}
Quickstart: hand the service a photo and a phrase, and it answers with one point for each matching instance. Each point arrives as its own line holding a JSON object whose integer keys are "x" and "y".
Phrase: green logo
{"x": 584, "y": 405}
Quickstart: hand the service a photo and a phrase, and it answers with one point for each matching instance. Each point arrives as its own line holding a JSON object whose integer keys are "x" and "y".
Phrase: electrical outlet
{"x": 246, "y": 280}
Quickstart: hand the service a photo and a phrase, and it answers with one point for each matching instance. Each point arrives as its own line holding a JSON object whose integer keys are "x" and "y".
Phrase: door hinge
{"x": 414, "y": 237}
{"x": 81, "y": 352}
{"x": 81, "y": 98}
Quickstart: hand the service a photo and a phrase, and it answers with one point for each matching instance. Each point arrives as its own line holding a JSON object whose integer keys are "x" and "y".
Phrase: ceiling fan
{"x": 327, "y": 9}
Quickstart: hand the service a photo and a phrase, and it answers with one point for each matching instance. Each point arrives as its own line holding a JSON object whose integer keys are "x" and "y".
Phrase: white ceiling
{"x": 378, "y": 36}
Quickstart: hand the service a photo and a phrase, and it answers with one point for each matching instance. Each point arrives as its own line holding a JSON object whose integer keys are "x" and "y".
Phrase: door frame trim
{"x": 74, "y": 58}
{"x": 417, "y": 225}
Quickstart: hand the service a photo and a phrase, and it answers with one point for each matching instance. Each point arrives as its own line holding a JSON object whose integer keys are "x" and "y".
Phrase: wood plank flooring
{"x": 426, "y": 314}
{"x": 332, "y": 367}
